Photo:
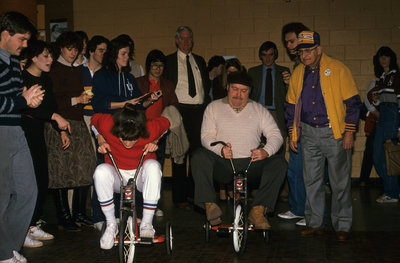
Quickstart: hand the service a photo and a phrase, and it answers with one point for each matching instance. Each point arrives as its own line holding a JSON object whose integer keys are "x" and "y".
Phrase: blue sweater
{"x": 112, "y": 87}
{"x": 11, "y": 100}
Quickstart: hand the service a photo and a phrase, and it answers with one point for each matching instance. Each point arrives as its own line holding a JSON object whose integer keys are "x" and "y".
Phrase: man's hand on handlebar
{"x": 258, "y": 154}
{"x": 226, "y": 151}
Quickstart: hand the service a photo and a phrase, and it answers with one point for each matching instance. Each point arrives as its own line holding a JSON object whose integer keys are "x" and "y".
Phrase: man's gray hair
{"x": 182, "y": 28}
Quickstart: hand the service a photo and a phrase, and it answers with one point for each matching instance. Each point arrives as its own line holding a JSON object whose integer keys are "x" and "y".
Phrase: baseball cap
{"x": 308, "y": 39}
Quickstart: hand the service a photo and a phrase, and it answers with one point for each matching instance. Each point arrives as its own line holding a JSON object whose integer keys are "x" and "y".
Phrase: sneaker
{"x": 301, "y": 222}
{"x": 107, "y": 239}
{"x": 37, "y": 233}
{"x": 30, "y": 242}
{"x": 147, "y": 231}
{"x": 386, "y": 199}
{"x": 19, "y": 257}
{"x": 159, "y": 212}
{"x": 288, "y": 215}
{"x": 99, "y": 225}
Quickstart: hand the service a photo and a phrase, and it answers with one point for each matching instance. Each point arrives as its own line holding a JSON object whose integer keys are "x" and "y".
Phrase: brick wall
{"x": 351, "y": 30}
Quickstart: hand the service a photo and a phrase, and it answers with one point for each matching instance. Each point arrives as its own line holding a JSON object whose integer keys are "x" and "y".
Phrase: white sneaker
{"x": 107, "y": 239}
{"x": 19, "y": 257}
{"x": 37, "y": 233}
{"x": 288, "y": 215}
{"x": 30, "y": 242}
{"x": 11, "y": 260}
{"x": 146, "y": 231}
{"x": 159, "y": 212}
{"x": 301, "y": 222}
{"x": 99, "y": 225}
{"x": 386, "y": 199}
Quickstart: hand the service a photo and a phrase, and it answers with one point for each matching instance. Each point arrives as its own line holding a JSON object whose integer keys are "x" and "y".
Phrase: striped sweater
{"x": 11, "y": 100}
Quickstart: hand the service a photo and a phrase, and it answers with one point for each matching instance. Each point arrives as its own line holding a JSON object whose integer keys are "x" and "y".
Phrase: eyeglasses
{"x": 306, "y": 51}
{"x": 157, "y": 66}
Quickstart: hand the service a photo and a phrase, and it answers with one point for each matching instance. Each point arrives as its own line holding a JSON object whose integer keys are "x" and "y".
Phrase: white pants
{"x": 106, "y": 182}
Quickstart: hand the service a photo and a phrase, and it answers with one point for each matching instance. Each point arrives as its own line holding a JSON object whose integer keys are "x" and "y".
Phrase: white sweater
{"x": 243, "y": 129}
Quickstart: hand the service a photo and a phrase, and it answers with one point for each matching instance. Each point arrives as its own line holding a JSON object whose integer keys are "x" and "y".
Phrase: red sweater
{"x": 128, "y": 159}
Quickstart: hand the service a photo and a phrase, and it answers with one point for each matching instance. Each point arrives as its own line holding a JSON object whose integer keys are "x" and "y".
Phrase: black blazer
{"x": 280, "y": 92}
{"x": 171, "y": 72}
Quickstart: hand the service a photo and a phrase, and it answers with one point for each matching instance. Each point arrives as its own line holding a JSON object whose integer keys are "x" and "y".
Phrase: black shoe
{"x": 81, "y": 218}
{"x": 68, "y": 224}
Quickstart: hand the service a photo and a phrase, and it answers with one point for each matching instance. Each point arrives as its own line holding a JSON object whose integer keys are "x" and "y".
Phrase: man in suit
{"x": 189, "y": 74}
{"x": 269, "y": 86}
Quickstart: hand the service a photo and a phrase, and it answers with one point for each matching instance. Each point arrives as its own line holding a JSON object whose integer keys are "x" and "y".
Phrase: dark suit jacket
{"x": 171, "y": 72}
{"x": 280, "y": 92}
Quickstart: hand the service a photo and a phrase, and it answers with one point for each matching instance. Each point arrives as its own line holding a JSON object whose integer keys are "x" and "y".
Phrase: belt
{"x": 190, "y": 106}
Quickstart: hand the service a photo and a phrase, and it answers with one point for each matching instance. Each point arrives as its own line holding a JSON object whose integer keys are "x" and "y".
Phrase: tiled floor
{"x": 375, "y": 238}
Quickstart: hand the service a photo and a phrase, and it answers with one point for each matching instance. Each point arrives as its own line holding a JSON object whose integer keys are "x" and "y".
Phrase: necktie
{"x": 192, "y": 85}
{"x": 268, "y": 87}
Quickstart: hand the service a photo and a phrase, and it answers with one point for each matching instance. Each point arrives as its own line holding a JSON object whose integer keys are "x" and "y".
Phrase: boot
{"x": 257, "y": 218}
{"x": 79, "y": 206}
{"x": 213, "y": 213}
{"x": 63, "y": 214}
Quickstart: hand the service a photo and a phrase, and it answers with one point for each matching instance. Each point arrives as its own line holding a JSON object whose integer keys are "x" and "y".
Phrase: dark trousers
{"x": 268, "y": 174}
{"x": 34, "y": 133}
{"x": 368, "y": 158}
{"x": 192, "y": 117}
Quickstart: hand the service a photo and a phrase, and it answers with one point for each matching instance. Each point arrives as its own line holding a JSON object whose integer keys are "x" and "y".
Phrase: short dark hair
{"x": 215, "y": 61}
{"x": 129, "y": 40}
{"x": 295, "y": 27}
{"x": 82, "y": 35}
{"x": 111, "y": 55}
{"x": 154, "y": 56}
{"x": 68, "y": 39}
{"x": 15, "y": 22}
{"x": 34, "y": 49}
{"x": 388, "y": 52}
{"x": 94, "y": 42}
{"x": 267, "y": 46}
{"x": 130, "y": 123}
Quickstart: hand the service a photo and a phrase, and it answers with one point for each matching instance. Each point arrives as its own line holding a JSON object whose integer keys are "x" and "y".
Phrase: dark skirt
{"x": 74, "y": 166}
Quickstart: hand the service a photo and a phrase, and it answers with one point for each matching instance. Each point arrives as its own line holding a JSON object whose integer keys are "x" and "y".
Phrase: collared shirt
{"x": 5, "y": 56}
{"x": 313, "y": 110}
{"x": 262, "y": 96}
{"x": 182, "y": 87}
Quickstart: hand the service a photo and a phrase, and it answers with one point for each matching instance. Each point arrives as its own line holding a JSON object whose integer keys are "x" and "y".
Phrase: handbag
{"x": 392, "y": 154}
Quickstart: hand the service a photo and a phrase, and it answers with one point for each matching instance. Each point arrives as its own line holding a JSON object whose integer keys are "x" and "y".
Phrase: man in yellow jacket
{"x": 322, "y": 108}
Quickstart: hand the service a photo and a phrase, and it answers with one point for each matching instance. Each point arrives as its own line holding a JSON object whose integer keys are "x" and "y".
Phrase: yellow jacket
{"x": 337, "y": 85}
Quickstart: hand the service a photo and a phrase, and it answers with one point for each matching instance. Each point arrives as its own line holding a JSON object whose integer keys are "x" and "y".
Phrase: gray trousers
{"x": 318, "y": 145}
{"x": 268, "y": 174}
{"x": 18, "y": 190}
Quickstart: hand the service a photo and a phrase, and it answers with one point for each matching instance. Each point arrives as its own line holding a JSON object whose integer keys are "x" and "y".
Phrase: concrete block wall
{"x": 351, "y": 30}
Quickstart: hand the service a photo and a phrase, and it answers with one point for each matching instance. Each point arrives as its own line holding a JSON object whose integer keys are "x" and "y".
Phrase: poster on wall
{"x": 57, "y": 26}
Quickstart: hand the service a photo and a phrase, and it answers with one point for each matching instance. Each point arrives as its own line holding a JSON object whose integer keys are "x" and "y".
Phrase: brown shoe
{"x": 342, "y": 235}
{"x": 213, "y": 213}
{"x": 257, "y": 218}
{"x": 310, "y": 231}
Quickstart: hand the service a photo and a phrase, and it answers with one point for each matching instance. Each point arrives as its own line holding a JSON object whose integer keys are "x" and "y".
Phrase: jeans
{"x": 385, "y": 130}
{"x": 297, "y": 193}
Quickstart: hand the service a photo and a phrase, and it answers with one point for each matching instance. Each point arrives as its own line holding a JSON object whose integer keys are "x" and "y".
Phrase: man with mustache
{"x": 239, "y": 122}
